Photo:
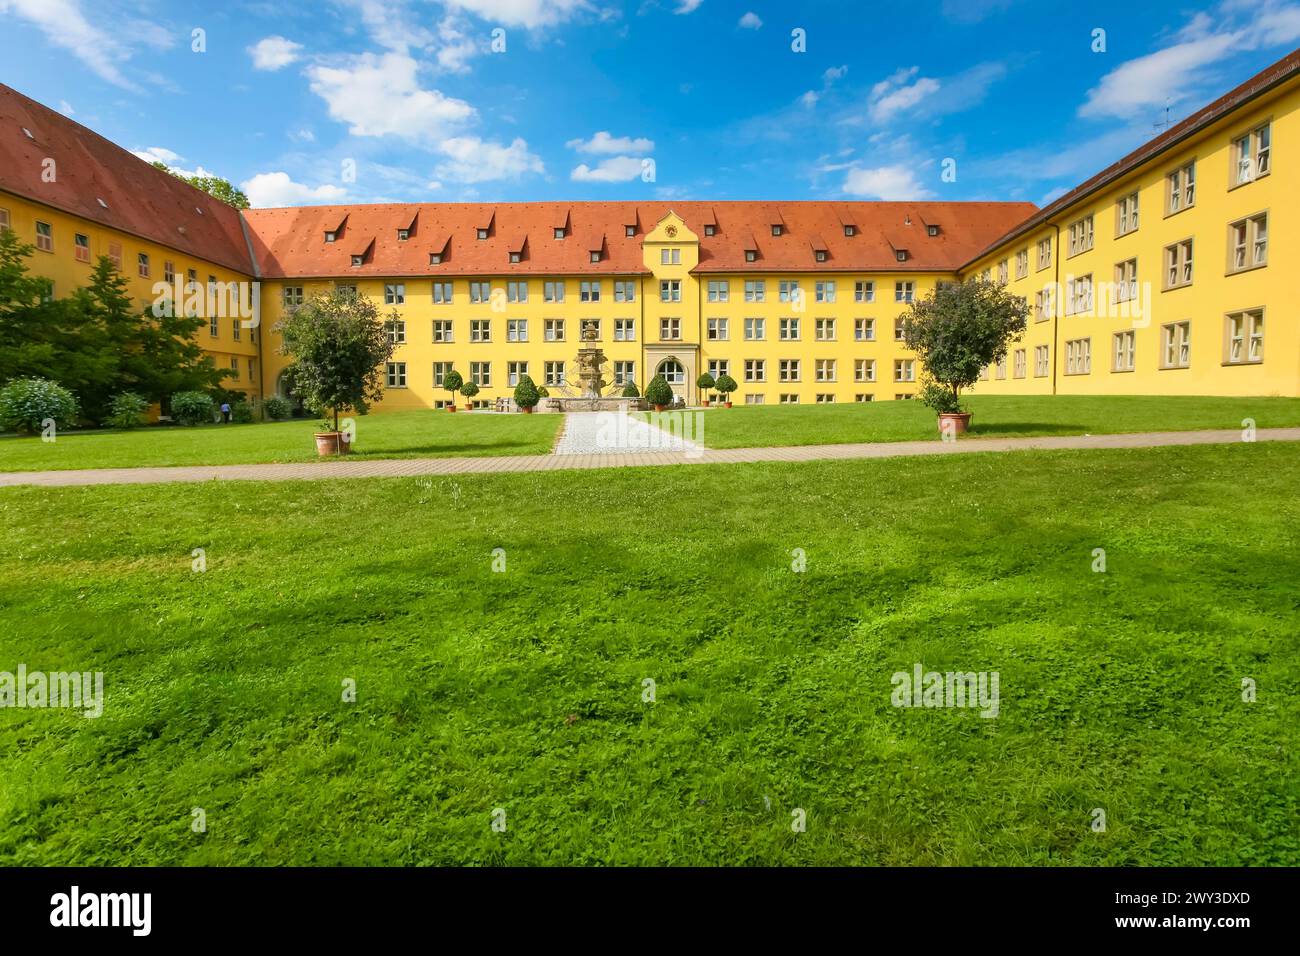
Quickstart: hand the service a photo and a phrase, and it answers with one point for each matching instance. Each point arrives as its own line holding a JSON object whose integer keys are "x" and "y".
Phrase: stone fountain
{"x": 591, "y": 366}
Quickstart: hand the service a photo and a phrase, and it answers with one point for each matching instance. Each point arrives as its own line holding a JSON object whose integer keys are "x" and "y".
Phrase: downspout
{"x": 259, "y": 331}
{"x": 1057, "y": 304}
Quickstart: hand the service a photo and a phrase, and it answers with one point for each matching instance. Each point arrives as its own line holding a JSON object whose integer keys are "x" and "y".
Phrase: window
{"x": 901, "y": 255}
{"x": 824, "y": 292}
{"x": 752, "y": 398}
{"x": 45, "y": 237}
{"x": 1042, "y": 361}
{"x": 1078, "y": 295}
{"x": 1019, "y": 368}
{"x": 1126, "y": 215}
{"x": 776, "y": 229}
{"x": 824, "y": 370}
{"x": 396, "y": 330}
{"x": 755, "y": 370}
{"x": 864, "y": 330}
{"x": 672, "y": 371}
{"x": 553, "y": 330}
{"x": 820, "y": 255}
{"x": 514, "y": 372}
{"x": 348, "y": 290}
{"x": 755, "y": 330}
{"x": 1248, "y": 243}
{"x": 824, "y": 398}
{"x": 625, "y": 330}
{"x": 236, "y": 330}
{"x": 864, "y": 370}
{"x": 169, "y": 272}
{"x": 670, "y": 330}
{"x": 442, "y": 330}
{"x": 1176, "y": 345}
{"x": 1125, "y": 350}
{"x": 864, "y": 291}
{"x": 589, "y": 330}
{"x": 789, "y": 330}
{"x": 516, "y": 331}
{"x": 394, "y": 293}
{"x": 403, "y": 235}
{"x": 480, "y": 292}
{"x": 442, "y": 293}
{"x": 290, "y": 295}
{"x": 435, "y": 258}
{"x": 1244, "y": 338}
{"x": 480, "y": 373}
{"x": 1043, "y": 304}
{"x": 1078, "y": 357}
{"x": 1003, "y": 271}
{"x": 987, "y": 274}
{"x": 850, "y": 231}
{"x": 900, "y": 330}
{"x": 719, "y": 290}
{"x": 357, "y": 261}
{"x": 234, "y": 367}
{"x": 629, "y": 231}
{"x": 1022, "y": 265}
{"x": 1178, "y": 264}
{"x": 1044, "y": 253}
{"x": 559, "y": 232}
{"x": 396, "y": 374}
{"x": 719, "y": 367}
{"x": 903, "y": 397}
{"x": 788, "y": 370}
{"x": 115, "y": 257}
{"x": 1126, "y": 283}
{"x": 552, "y": 291}
{"x": 480, "y": 330}
{"x": 481, "y": 233}
{"x": 440, "y": 370}
{"x": 755, "y": 290}
{"x": 670, "y": 257}
{"x": 81, "y": 247}
{"x": 751, "y": 255}
{"x": 904, "y": 370}
{"x": 589, "y": 292}
{"x": 788, "y": 398}
{"x": 710, "y": 229}
{"x": 716, "y": 330}
{"x": 1081, "y": 235}
{"x": 517, "y": 291}
{"x": 787, "y": 290}
{"x": 864, "y": 397}
{"x": 625, "y": 291}
{"x": 4, "y": 219}
{"x": 1250, "y": 156}
{"x": 1180, "y": 189}
{"x": 903, "y": 292}
{"x": 1000, "y": 370}
{"x": 553, "y": 373}
{"x": 624, "y": 372}
{"x": 670, "y": 290}
{"x": 824, "y": 330}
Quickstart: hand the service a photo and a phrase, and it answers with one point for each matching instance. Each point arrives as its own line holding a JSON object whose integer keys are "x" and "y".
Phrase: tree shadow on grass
{"x": 451, "y": 450}
{"x": 1003, "y": 430}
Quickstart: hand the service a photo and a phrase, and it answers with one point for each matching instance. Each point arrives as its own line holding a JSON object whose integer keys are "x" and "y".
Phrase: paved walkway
{"x": 603, "y": 433}
{"x": 396, "y": 468}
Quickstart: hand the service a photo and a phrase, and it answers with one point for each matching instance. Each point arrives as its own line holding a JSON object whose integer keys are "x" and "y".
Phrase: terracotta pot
{"x": 332, "y": 444}
{"x": 528, "y": 409}
{"x": 450, "y": 408}
{"x": 706, "y": 403}
{"x": 728, "y": 404}
{"x": 960, "y": 422}
{"x": 469, "y": 407}
{"x": 660, "y": 408}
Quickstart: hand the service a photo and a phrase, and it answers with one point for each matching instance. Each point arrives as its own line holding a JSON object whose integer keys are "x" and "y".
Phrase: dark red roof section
{"x": 137, "y": 198}
{"x": 1279, "y": 72}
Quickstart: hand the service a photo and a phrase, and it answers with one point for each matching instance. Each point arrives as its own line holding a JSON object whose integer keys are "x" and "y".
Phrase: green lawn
{"x": 523, "y": 689}
{"x": 414, "y": 434}
{"x": 993, "y": 416}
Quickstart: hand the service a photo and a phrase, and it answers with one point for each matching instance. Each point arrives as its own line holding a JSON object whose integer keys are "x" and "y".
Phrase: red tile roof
{"x": 290, "y": 242}
{"x": 136, "y": 198}
{"x": 1259, "y": 84}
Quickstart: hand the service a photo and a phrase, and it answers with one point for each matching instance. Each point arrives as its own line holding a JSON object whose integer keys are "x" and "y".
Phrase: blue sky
{"x": 370, "y": 101}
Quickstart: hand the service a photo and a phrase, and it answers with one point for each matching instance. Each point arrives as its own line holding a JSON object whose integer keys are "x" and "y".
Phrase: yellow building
{"x": 1164, "y": 274}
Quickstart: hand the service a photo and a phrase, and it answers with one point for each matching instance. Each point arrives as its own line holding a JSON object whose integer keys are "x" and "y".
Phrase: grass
{"x": 998, "y": 416}
{"x": 522, "y": 689}
{"x": 413, "y": 434}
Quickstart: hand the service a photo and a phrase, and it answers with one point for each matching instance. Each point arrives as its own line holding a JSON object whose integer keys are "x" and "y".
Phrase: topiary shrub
{"x": 452, "y": 383}
{"x": 27, "y": 403}
{"x": 276, "y": 408}
{"x": 725, "y": 385}
{"x": 126, "y": 410}
{"x": 543, "y": 391}
{"x": 241, "y": 413}
{"x": 526, "y": 394}
{"x": 705, "y": 382}
{"x": 630, "y": 390}
{"x": 659, "y": 392}
{"x": 191, "y": 408}
{"x": 469, "y": 389}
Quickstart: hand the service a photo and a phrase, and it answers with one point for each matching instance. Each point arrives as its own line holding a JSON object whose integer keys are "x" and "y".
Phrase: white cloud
{"x": 379, "y": 95}
{"x": 616, "y": 169}
{"x": 687, "y": 6}
{"x": 809, "y": 99}
{"x": 835, "y": 73}
{"x": 603, "y": 143}
{"x": 750, "y": 21}
{"x": 529, "y": 14}
{"x": 896, "y": 94}
{"x": 65, "y": 25}
{"x": 66, "y": 108}
{"x": 277, "y": 189}
{"x": 274, "y": 53}
{"x": 472, "y": 160}
{"x": 157, "y": 154}
{"x": 302, "y": 136}
{"x": 458, "y": 45}
{"x": 885, "y": 182}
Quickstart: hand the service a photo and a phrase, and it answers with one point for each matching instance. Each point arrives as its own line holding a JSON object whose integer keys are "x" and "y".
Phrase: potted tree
{"x": 630, "y": 391}
{"x": 704, "y": 383}
{"x": 659, "y": 393}
{"x": 339, "y": 346}
{"x": 452, "y": 383}
{"x": 527, "y": 395}
{"x": 725, "y": 386}
{"x": 469, "y": 390}
{"x": 958, "y": 330}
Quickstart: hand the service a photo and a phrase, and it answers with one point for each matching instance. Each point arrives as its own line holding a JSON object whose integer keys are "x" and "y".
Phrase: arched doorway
{"x": 672, "y": 371}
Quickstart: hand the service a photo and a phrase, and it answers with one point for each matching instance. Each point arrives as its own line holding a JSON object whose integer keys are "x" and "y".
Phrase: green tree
{"x": 725, "y": 385}
{"x": 526, "y": 393}
{"x": 452, "y": 383}
{"x": 339, "y": 345}
{"x": 659, "y": 392}
{"x": 214, "y": 186}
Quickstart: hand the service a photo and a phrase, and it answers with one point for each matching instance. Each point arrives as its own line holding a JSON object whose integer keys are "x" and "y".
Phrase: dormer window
{"x": 630, "y": 231}
{"x": 710, "y": 230}
{"x": 777, "y": 229}
{"x": 559, "y": 232}
{"x": 331, "y": 236}
{"x": 850, "y": 231}
{"x": 403, "y": 235}
{"x": 932, "y": 230}
{"x": 901, "y": 255}
{"x": 357, "y": 261}
{"x": 595, "y": 255}
{"x": 820, "y": 255}
{"x": 482, "y": 233}
{"x": 435, "y": 258}
{"x": 751, "y": 255}
{"x": 515, "y": 257}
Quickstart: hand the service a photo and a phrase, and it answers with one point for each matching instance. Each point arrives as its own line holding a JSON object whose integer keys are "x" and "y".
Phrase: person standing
{"x": 225, "y": 412}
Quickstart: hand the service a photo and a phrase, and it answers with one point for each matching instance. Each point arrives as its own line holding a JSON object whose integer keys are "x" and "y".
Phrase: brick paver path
{"x": 395, "y": 468}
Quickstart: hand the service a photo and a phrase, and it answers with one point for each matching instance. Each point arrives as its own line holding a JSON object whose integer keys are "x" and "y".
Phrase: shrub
{"x": 26, "y": 404}
{"x": 705, "y": 383}
{"x": 191, "y": 408}
{"x": 469, "y": 389}
{"x": 277, "y": 408}
{"x": 630, "y": 390}
{"x": 452, "y": 383}
{"x": 659, "y": 392}
{"x": 526, "y": 394}
{"x": 726, "y": 385}
{"x": 543, "y": 391}
{"x": 241, "y": 412}
{"x": 126, "y": 410}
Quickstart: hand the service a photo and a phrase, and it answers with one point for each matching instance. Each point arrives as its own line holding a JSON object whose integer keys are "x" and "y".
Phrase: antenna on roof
{"x": 1167, "y": 122}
